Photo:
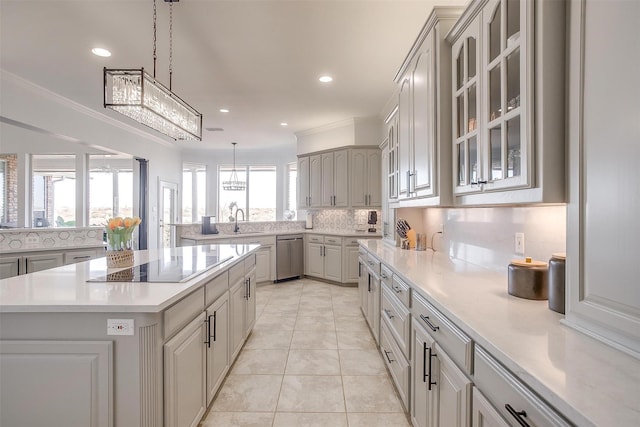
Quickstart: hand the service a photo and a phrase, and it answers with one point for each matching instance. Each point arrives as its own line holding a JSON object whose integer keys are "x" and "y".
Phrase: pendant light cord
{"x": 170, "y": 42}
{"x": 155, "y": 56}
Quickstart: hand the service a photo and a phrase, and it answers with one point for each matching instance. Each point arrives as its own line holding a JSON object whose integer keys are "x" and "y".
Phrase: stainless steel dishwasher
{"x": 289, "y": 259}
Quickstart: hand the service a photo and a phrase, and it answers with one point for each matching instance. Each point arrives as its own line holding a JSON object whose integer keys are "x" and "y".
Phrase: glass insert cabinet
{"x": 492, "y": 99}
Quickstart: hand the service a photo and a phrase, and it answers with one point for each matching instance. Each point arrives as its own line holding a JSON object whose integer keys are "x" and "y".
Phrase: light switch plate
{"x": 519, "y": 243}
{"x": 120, "y": 327}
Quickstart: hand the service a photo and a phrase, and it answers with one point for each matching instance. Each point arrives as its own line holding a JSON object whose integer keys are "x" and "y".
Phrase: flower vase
{"x": 120, "y": 259}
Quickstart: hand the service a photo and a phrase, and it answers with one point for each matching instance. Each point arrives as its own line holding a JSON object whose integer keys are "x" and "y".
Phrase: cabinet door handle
{"x": 208, "y": 322}
{"x": 82, "y": 257}
{"x": 482, "y": 182}
{"x": 388, "y": 313}
{"x": 431, "y": 325}
{"x": 249, "y": 286}
{"x": 408, "y": 181}
{"x": 384, "y": 276}
{"x": 431, "y": 354}
{"x": 386, "y": 353}
{"x": 518, "y": 415}
{"x": 215, "y": 324}
{"x": 424, "y": 362}
{"x": 369, "y": 282}
{"x": 397, "y": 289}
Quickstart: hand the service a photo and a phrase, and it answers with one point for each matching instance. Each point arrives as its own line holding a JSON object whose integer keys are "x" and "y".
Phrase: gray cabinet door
{"x": 43, "y": 262}
{"x": 217, "y": 344}
{"x": 333, "y": 263}
{"x": 9, "y": 266}
{"x": 237, "y": 308}
{"x": 185, "y": 397}
{"x": 250, "y": 309}
{"x": 56, "y": 383}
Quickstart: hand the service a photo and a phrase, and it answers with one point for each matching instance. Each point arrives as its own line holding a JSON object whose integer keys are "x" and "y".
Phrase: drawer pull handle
{"x": 398, "y": 290}
{"x": 386, "y": 353}
{"x": 388, "y": 313}
{"x": 518, "y": 415}
{"x": 431, "y": 325}
{"x": 384, "y": 276}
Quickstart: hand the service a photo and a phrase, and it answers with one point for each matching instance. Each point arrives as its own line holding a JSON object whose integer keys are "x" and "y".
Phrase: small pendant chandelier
{"x": 234, "y": 184}
{"x": 134, "y": 93}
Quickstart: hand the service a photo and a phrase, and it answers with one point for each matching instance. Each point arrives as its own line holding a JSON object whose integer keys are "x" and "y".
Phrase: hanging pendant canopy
{"x": 136, "y": 94}
{"x": 234, "y": 184}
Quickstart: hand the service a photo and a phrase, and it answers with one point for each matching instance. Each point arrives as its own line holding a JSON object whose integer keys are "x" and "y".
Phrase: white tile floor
{"x": 310, "y": 361}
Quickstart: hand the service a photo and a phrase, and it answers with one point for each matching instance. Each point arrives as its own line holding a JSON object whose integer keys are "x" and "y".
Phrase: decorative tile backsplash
{"x": 486, "y": 236}
{"x": 343, "y": 219}
{"x": 49, "y": 238}
{"x": 185, "y": 230}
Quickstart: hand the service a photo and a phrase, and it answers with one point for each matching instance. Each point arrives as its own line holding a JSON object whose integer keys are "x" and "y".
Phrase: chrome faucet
{"x": 236, "y": 229}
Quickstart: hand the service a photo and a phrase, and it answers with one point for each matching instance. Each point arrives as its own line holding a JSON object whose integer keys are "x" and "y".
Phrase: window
{"x": 194, "y": 192}
{"x": 110, "y": 187}
{"x": 258, "y": 201}
{"x": 53, "y": 190}
{"x": 291, "y": 207}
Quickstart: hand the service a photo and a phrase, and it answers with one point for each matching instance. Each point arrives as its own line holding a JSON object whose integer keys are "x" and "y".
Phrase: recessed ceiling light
{"x": 98, "y": 51}
{"x": 284, "y": 124}
{"x": 325, "y": 79}
{"x": 224, "y": 110}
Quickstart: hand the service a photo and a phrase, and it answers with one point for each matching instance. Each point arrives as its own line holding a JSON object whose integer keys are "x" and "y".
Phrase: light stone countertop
{"x": 588, "y": 381}
{"x": 65, "y": 289}
{"x": 339, "y": 233}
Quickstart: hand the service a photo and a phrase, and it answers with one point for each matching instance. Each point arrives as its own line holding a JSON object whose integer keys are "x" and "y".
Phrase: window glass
{"x": 9, "y": 191}
{"x": 53, "y": 190}
{"x": 262, "y": 193}
{"x": 110, "y": 187}
{"x": 231, "y": 200}
{"x": 194, "y": 192}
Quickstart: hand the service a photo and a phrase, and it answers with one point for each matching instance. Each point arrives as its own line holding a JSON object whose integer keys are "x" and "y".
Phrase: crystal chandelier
{"x": 234, "y": 184}
{"x": 138, "y": 95}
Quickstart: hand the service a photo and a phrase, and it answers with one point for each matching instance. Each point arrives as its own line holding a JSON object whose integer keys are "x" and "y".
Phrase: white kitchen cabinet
{"x": 392, "y": 168}
{"x": 39, "y": 262}
{"x": 424, "y": 128}
{"x": 10, "y": 266}
{"x": 371, "y": 306}
{"x": 185, "y": 395}
{"x": 263, "y": 265}
{"x": 507, "y": 102}
{"x": 217, "y": 344}
{"x": 75, "y": 256}
{"x": 441, "y": 393}
{"x": 363, "y": 284}
{"x": 237, "y": 309}
{"x": 250, "y": 311}
{"x": 365, "y": 178}
{"x": 323, "y": 257}
{"x": 350, "y": 263}
{"x": 335, "y": 176}
{"x": 303, "y": 178}
{"x": 315, "y": 181}
{"x": 396, "y": 363}
{"x": 603, "y": 296}
{"x": 484, "y": 414}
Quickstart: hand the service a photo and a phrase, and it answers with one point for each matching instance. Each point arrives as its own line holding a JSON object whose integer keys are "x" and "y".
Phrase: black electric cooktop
{"x": 179, "y": 265}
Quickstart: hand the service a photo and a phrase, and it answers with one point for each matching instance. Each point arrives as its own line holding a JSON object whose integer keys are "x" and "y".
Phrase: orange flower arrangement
{"x": 120, "y": 232}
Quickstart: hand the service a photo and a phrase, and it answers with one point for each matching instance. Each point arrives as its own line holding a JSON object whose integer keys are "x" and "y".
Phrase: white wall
{"x": 356, "y": 131}
{"x": 36, "y": 120}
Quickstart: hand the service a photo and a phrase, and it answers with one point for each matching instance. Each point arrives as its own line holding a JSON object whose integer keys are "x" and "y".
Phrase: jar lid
{"x": 559, "y": 255}
{"x": 528, "y": 262}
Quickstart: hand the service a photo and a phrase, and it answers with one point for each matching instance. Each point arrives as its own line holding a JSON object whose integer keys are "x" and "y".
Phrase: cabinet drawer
{"x": 396, "y": 363}
{"x": 398, "y": 319}
{"x": 350, "y": 241}
{"x": 373, "y": 264}
{"x": 249, "y": 263}
{"x": 455, "y": 342}
{"x": 401, "y": 290}
{"x": 504, "y": 391}
{"x": 333, "y": 240}
{"x": 182, "y": 312}
{"x": 73, "y": 257}
{"x": 216, "y": 287}
{"x": 236, "y": 273}
{"x": 314, "y": 238}
{"x": 386, "y": 275}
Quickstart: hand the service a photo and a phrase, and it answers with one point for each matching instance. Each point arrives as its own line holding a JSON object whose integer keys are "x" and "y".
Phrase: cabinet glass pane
{"x": 460, "y": 69}
{"x": 495, "y": 109}
{"x": 471, "y": 98}
{"x": 494, "y": 35}
{"x": 514, "y": 162}
{"x": 460, "y": 115}
{"x": 513, "y": 21}
{"x": 471, "y": 57}
{"x": 473, "y": 159}
{"x": 495, "y": 141}
{"x": 513, "y": 80}
{"x": 462, "y": 165}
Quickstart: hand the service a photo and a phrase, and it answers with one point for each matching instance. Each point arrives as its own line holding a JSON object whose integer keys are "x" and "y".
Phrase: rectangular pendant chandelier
{"x": 137, "y": 95}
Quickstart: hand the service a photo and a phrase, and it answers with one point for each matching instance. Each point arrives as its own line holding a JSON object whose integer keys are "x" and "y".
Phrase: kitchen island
{"x": 78, "y": 352}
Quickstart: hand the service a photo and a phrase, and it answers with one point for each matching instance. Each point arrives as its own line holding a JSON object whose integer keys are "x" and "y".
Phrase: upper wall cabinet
{"x": 603, "y": 296}
{"x": 508, "y": 102}
{"x": 423, "y": 118}
{"x": 340, "y": 178}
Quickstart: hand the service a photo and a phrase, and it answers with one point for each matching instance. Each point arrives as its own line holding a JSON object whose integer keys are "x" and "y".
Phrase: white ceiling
{"x": 259, "y": 58}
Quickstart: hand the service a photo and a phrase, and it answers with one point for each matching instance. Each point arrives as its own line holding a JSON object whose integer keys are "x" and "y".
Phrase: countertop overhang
{"x": 65, "y": 289}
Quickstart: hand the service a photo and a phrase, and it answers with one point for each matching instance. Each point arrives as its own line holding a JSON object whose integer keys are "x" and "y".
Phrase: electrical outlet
{"x": 519, "y": 243}
{"x": 120, "y": 327}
